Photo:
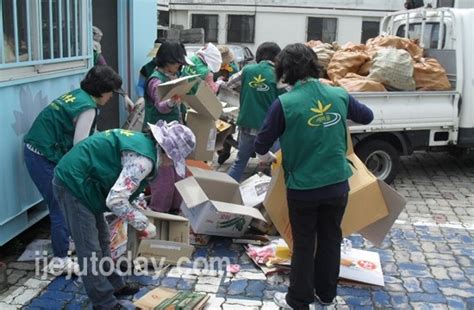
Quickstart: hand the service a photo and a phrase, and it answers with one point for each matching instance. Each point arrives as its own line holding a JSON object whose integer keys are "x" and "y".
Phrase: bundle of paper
{"x": 183, "y": 301}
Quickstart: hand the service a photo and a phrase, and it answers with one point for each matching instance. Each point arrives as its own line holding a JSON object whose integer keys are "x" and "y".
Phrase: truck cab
{"x": 407, "y": 121}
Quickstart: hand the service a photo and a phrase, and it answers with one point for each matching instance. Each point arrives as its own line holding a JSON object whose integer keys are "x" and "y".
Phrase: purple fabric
{"x": 177, "y": 140}
{"x": 164, "y": 196}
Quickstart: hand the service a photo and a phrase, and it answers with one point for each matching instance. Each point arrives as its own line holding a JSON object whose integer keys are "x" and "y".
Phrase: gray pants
{"x": 91, "y": 237}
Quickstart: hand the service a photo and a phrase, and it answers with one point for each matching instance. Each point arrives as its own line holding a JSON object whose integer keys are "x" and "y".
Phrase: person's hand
{"x": 269, "y": 157}
{"x": 176, "y": 99}
{"x": 148, "y": 233}
{"x": 139, "y": 102}
{"x": 129, "y": 105}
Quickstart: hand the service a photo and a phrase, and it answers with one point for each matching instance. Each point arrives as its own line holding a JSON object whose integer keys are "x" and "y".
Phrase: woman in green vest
{"x": 206, "y": 61}
{"x": 65, "y": 122}
{"x": 170, "y": 58}
{"x": 257, "y": 92}
{"x": 310, "y": 122}
{"x": 105, "y": 173}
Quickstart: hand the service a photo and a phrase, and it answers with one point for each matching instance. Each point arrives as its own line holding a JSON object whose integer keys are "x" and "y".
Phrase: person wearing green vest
{"x": 206, "y": 61}
{"x": 106, "y": 172}
{"x": 65, "y": 122}
{"x": 170, "y": 58}
{"x": 258, "y": 91}
{"x": 310, "y": 122}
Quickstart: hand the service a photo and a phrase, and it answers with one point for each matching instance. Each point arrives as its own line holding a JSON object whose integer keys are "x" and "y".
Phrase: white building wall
{"x": 349, "y": 29}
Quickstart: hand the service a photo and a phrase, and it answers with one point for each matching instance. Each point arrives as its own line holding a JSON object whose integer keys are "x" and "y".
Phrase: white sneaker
{"x": 62, "y": 265}
{"x": 280, "y": 300}
{"x": 338, "y": 300}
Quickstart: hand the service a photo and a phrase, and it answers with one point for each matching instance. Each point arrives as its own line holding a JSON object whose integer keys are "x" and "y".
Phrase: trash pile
{"x": 384, "y": 63}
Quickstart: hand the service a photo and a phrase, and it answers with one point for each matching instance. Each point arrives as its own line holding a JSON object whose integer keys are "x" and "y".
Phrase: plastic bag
{"x": 393, "y": 68}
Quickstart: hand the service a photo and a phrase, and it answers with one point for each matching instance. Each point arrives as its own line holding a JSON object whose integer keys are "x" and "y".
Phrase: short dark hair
{"x": 267, "y": 51}
{"x": 170, "y": 53}
{"x": 101, "y": 79}
{"x": 296, "y": 62}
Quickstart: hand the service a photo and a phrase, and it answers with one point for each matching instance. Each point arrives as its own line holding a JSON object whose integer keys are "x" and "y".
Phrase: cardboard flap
{"x": 217, "y": 185}
{"x": 164, "y": 216}
{"x": 238, "y": 209}
{"x": 212, "y": 175}
{"x": 179, "y": 86}
{"x": 192, "y": 193}
{"x": 360, "y": 178}
{"x": 395, "y": 202}
{"x": 205, "y": 102}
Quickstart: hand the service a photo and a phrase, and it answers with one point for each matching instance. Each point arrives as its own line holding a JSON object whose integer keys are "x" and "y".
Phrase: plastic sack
{"x": 355, "y": 83}
{"x": 411, "y": 46}
{"x": 393, "y": 68}
{"x": 430, "y": 75}
{"x": 344, "y": 62}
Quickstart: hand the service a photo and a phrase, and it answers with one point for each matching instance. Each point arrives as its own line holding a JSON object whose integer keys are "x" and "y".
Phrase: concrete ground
{"x": 427, "y": 258}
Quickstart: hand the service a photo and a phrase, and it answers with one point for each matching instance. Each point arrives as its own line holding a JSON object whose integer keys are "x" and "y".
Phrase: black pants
{"x": 315, "y": 273}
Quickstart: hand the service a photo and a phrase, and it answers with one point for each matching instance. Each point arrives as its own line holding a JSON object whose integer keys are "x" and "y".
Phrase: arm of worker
{"x": 163, "y": 106}
{"x": 359, "y": 112}
{"x": 141, "y": 85}
{"x": 83, "y": 127}
{"x": 135, "y": 168}
{"x": 273, "y": 127}
{"x": 234, "y": 81}
{"x": 210, "y": 82}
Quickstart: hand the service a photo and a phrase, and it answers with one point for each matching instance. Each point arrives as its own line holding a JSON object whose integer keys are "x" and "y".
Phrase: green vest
{"x": 152, "y": 115}
{"x": 52, "y": 132}
{"x": 258, "y": 91}
{"x": 314, "y": 141}
{"x": 200, "y": 68}
{"x": 93, "y": 166}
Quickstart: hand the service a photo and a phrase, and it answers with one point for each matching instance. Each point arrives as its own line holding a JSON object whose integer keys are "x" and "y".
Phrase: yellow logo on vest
{"x": 68, "y": 98}
{"x": 323, "y": 117}
{"x": 258, "y": 83}
{"x": 123, "y": 132}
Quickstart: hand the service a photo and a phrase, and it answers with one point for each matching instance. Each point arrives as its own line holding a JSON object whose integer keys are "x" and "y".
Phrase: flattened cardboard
{"x": 204, "y": 102}
{"x": 154, "y": 298}
{"x": 213, "y": 205}
{"x": 377, "y": 231}
{"x": 206, "y": 133}
{"x": 361, "y": 266}
{"x": 179, "y": 86}
{"x": 171, "y": 252}
{"x": 367, "y": 204}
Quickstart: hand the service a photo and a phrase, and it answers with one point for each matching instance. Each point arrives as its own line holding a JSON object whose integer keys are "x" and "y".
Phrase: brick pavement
{"x": 427, "y": 258}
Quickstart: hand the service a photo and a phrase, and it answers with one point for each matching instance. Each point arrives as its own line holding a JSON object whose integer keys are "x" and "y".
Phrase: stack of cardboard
{"x": 201, "y": 118}
{"x": 165, "y": 298}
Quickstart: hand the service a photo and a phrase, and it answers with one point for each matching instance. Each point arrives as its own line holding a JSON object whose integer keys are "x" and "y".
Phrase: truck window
{"x": 430, "y": 37}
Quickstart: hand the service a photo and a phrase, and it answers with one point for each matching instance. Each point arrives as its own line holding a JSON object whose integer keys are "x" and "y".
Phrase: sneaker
{"x": 62, "y": 265}
{"x": 280, "y": 300}
{"x": 127, "y": 290}
{"x": 338, "y": 300}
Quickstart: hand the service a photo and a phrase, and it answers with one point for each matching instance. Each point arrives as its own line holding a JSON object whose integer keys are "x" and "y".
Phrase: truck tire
{"x": 381, "y": 158}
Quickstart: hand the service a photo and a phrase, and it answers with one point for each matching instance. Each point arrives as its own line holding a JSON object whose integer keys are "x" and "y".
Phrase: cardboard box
{"x": 204, "y": 102}
{"x": 171, "y": 241}
{"x": 206, "y": 133}
{"x": 179, "y": 87}
{"x": 368, "y": 204}
{"x": 213, "y": 204}
{"x": 160, "y": 297}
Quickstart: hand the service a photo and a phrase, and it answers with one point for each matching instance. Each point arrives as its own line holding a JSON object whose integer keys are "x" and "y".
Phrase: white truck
{"x": 407, "y": 121}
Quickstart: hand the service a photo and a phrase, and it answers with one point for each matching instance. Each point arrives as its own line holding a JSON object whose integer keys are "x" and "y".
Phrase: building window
{"x": 240, "y": 28}
{"x": 445, "y": 3}
{"x": 43, "y": 37}
{"x": 208, "y": 23}
{"x": 370, "y": 29}
{"x": 323, "y": 29}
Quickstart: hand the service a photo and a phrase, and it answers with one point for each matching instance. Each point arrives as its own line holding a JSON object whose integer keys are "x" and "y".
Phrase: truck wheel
{"x": 381, "y": 158}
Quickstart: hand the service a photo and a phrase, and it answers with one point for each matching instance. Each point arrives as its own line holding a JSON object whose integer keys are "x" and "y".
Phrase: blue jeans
{"x": 41, "y": 171}
{"x": 246, "y": 150}
{"x": 91, "y": 237}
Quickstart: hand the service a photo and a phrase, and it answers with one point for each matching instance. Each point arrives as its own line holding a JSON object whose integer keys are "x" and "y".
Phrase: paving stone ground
{"x": 427, "y": 257}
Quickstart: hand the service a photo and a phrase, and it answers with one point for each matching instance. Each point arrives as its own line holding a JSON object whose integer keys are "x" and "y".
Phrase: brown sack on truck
{"x": 430, "y": 75}
{"x": 355, "y": 83}
{"x": 344, "y": 62}
{"x": 411, "y": 46}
